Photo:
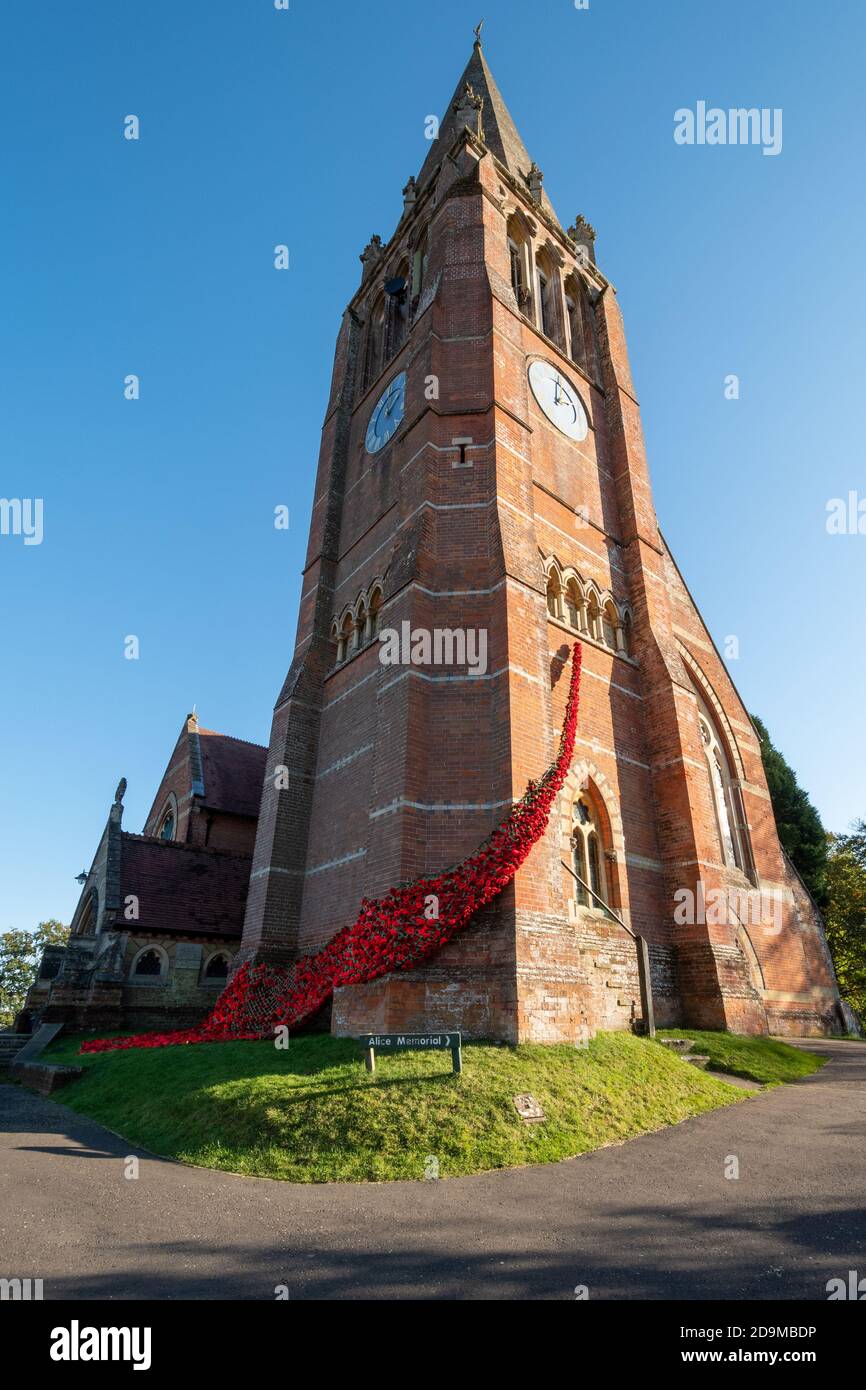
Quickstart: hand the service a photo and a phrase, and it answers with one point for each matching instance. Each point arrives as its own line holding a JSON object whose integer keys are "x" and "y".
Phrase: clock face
{"x": 558, "y": 399}
{"x": 387, "y": 415}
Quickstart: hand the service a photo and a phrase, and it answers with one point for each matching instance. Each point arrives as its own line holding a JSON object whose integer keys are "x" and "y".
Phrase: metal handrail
{"x": 607, "y": 907}
{"x": 643, "y": 966}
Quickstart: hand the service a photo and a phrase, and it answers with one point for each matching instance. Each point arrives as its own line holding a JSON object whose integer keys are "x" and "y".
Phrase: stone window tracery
{"x": 554, "y": 595}
{"x": 519, "y": 255}
{"x": 359, "y": 625}
{"x": 148, "y": 964}
{"x": 725, "y": 794}
{"x": 588, "y": 855}
{"x": 547, "y": 276}
{"x": 582, "y": 344}
{"x": 217, "y": 967}
{"x": 585, "y": 611}
{"x": 166, "y": 825}
{"x": 609, "y": 625}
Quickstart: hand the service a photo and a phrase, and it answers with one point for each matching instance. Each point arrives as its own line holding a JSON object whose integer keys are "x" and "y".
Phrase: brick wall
{"x": 398, "y": 772}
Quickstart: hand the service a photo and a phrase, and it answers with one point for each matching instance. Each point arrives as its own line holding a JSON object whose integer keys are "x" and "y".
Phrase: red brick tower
{"x": 482, "y": 474}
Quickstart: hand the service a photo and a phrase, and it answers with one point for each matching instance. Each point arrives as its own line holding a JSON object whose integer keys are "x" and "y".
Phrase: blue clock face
{"x": 387, "y": 415}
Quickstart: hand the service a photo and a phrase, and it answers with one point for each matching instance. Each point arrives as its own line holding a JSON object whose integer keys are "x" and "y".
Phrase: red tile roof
{"x": 184, "y": 888}
{"x": 232, "y": 772}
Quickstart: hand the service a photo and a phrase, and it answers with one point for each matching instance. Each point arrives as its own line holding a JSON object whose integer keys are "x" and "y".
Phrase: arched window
{"x": 730, "y": 821}
{"x": 582, "y": 347}
{"x": 548, "y": 292}
{"x": 346, "y": 632}
{"x": 593, "y": 618}
{"x": 86, "y": 925}
{"x": 554, "y": 595}
{"x": 574, "y": 604}
{"x": 544, "y": 310}
{"x": 375, "y": 342}
{"x": 588, "y": 855}
{"x": 420, "y": 260}
{"x": 148, "y": 963}
{"x": 360, "y": 626}
{"x": 335, "y": 643}
{"x": 574, "y": 310}
{"x": 166, "y": 826}
{"x": 516, "y": 268}
{"x": 217, "y": 968}
{"x": 519, "y": 260}
{"x": 609, "y": 624}
{"x": 375, "y": 607}
{"x": 575, "y": 335}
{"x": 398, "y": 309}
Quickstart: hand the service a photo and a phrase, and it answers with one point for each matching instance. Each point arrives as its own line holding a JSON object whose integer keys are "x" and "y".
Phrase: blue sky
{"x": 155, "y": 257}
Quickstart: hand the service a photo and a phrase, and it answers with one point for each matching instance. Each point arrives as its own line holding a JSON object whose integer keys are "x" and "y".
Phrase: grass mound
{"x": 758, "y": 1059}
{"x": 313, "y": 1114}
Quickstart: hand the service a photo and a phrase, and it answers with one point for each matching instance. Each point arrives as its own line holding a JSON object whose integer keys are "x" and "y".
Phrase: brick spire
{"x": 497, "y": 129}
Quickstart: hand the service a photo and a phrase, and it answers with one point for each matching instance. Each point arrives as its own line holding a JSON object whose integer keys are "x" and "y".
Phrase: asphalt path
{"x": 653, "y": 1218}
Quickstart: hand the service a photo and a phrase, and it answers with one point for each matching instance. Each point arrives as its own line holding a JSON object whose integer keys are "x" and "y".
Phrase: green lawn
{"x": 759, "y": 1059}
{"x": 313, "y": 1114}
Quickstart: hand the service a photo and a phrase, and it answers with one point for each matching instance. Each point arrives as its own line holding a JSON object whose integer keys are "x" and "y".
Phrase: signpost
{"x": 413, "y": 1042}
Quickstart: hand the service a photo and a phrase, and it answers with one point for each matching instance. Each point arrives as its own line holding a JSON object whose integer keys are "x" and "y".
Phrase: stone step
{"x": 45, "y": 1077}
{"x": 678, "y": 1045}
{"x": 10, "y": 1045}
{"x": 697, "y": 1060}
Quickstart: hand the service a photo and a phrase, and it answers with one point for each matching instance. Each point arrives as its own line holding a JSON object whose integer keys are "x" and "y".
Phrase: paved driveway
{"x": 653, "y": 1218}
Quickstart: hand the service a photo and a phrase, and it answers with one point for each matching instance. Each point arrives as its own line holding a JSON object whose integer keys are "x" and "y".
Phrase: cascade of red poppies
{"x": 393, "y": 933}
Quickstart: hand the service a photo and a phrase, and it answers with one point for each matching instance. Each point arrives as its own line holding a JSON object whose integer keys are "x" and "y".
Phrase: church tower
{"x": 482, "y": 500}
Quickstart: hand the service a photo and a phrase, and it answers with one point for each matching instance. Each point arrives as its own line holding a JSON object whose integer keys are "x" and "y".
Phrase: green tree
{"x": 20, "y": 953}
{"x": 50, "y": 933}
{"x": 798, "y": 823}
{"x": 845, "y": 914}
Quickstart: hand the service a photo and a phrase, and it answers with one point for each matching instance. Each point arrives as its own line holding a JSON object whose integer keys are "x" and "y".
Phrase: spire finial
{"x": 477, "y": 33}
